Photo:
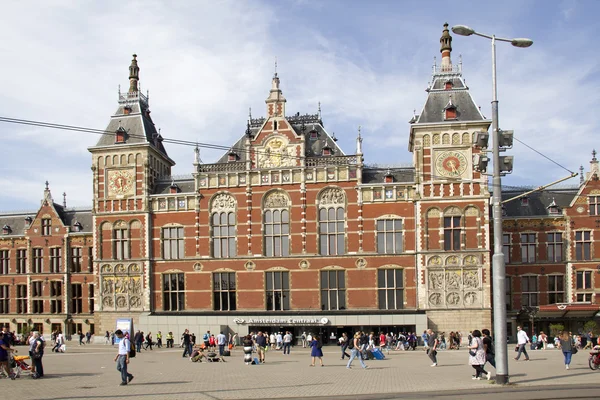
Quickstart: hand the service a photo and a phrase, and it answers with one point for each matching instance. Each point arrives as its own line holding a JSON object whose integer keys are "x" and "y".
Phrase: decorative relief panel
{"x": 277, "y": 199}
{"x": 121, "y": 287}
{"x": 277, "y": 153}
{"x": 453, "y": 287}
{"x": 304, "y": 264}
{"x": 332, "y": 196}
{"x": 223, "y": 202}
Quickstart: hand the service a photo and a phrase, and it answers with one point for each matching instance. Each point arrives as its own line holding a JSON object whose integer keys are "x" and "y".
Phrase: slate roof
{"x": 537, "y": 202}
{"x": 17, "y": 224}
{"x": 186, "y": 185}
{"x": 377, "y": 175}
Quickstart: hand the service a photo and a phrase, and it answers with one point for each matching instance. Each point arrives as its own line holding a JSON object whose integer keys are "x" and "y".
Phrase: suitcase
{"x": 226, "y": 353}
{"x": 377, "y": 354}
{"x": 370, "y": 355}
{"x": 255, "y": 361}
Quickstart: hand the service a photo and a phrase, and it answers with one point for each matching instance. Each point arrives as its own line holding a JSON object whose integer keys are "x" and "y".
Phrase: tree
{"x": 555, "y": 329}
{"x": 591, "y": 326}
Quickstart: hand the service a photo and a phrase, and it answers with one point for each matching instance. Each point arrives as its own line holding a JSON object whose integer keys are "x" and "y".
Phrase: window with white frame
{"x": 594, "y": 203}
{"x": 21, "y": 261}
{"x": 556, "y": 289}
{"x": 528, "y": 247}
{"x": 554, "y": 246}
{"x": 38, "y": 260}
{"x": 173, "y": 243}
{"x": 21, "y": 299}
{"x": 76, "y": 298}
{"x": 452, "y": 233}
{"x": 55, "y": 260}
{"x": 76, "y": 258}
{"x": 173, "y": 292}
{"x": 583, "y": 245}
{"x": 332, "y": 220}
{"x": 278, "y": 290}
{"x": 46, "y": 226}
{"x": 4, "y": 261}
{"x": 584, "y": 280}
{"x": 56, "y": 297}
{"x": 333, "y": 290}
{"x": 4, "y": 299}
{"x": 390, "y": 288}
{"x": 121, "y": 244}
{"x": 529, "y": 291}
{"x": 584, "y": 297}
{"x": 224, "y": 291}
{"x": 277, "y": 233}
{"x": 506, "y": 247}
{"x": 389, "y": 236}
{"x": 37, "y": 304}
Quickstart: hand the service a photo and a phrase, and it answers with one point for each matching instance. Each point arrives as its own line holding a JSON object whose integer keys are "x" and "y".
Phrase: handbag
{"x": 517, "y": 348}
{"x": 36, "y": 355}
{"x": 131, "y": 352}
{"x": 472, "y": 353}
{"x": 574, "y": 350}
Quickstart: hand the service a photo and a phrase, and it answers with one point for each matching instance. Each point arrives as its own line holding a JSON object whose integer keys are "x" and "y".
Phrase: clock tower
{"x": 127, "y": 160}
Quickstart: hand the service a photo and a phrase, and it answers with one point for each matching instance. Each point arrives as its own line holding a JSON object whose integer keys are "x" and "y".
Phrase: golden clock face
{"x": 120, "y": 182}
{"x": 451, "y": 164}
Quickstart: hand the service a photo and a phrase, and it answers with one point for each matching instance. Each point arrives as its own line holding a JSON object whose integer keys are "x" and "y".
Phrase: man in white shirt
{"x": 221, "y": 342}
{"x": 122, "y": 357}
{"x": 522, "y": 340}
{"x": 287, "y": 342}
{"x": 279, "y": 338}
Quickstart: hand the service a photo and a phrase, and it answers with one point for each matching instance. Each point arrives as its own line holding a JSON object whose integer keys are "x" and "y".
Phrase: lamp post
{"x": 498, "y": 266}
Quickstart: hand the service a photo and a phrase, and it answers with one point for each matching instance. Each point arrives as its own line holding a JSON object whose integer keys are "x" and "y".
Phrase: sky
{"x": 205, "y": 63}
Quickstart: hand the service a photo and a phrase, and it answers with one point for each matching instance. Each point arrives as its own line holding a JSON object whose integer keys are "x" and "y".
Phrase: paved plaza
{"x": 89, "y": 373}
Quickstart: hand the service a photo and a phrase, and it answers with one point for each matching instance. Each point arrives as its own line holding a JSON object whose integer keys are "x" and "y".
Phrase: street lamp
{"x": 498, "y": 266}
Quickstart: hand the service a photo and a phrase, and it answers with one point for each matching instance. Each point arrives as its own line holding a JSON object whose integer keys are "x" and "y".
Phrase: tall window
{"x": 390, "y": 285}
{"x": 37, "y": 304}
{"x": 389, "y": 236}
{"x": 333, "y": 290}
{"x": 21, "y": 299}
{"x": 90, "y": 259}
{"x": 583, "y": 245}
{"x": 173, "y": 292}
{"x": 277, "y": 233}
{"x": 278, "y": 290}
{"x": 556, "y": 289}
{"x": 4, "y": 299}
{"x": 46, "y": 227}
{"x": 554, "y": 245}
{"x": 506, "y": 247}
{"x": 594, "y": 202}
{"x": 528, "y": 247}
{"x": 224, "y": 234}
{"x": 224, "y": 291}
{"x": 91, "y": 298}
{"x": 4, "y": 261}
{"x": 529, "y": 289}
{"x": 76, "y": 258}
{"x": 76, "y": 298}
{"x": 584, "y": 280}
{"x": 332, "y": 231}
{"x": 508, "y": 292}
{"x": 121, "y": 244}
{"x": 38, "y": 261}
{"x": 451, "y": 233}
{"x": 21, "y": 261}
{"x": 55, "y": 259}
{"x": 56, "y": 297}
{"x": 172, "y": 243}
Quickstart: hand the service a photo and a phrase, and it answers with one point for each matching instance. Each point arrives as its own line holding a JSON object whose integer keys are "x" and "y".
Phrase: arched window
{"x": 332, "y": 216}
{"x": 120, "y": 241}
{"x": 276, "y": 225}
{"x": 223, "y": 226}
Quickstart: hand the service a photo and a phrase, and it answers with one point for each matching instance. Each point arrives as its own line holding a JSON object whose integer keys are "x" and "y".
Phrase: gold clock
{"x": 451, "y": 164}
{"x": 120, "y": 182}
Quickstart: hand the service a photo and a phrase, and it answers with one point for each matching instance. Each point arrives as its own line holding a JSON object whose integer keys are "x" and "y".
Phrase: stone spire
{"x": 359, "y": 142}
{"x": 594, "y": 170}
{"x": 134, "y": 75}
{"x": 275, "y": 101}
{"x": 446, "y": 49}
{"x": 47, "y": 195}
{"x": 64, "y": 199}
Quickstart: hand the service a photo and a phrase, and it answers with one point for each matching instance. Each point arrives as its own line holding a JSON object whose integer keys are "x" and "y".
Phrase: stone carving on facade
{"x": 250, "y": 265}
{"x": 470, "y": 298}
{"x": 471, "y": 279}
{"x": 453, "y": 298}
{"x": 361, "y": 263}
{"x": 198, "y": 267}
{"x": 436, "y": 139}
{"x": 435, "y": 261}
{"x": 304, "y": 264}
{"x": 121, "y": 302}
{"x": 120, "y": 286}
{"x": 108, "y": 302}
{"x": 332, "y": 196}
{"x": 135, "y": 302}
{"x": 452, "y": 260}
{"x": 470, "y": 260}
{"x": 276, "y": 200}
{"x": 276, "y": 154}
{"x": 223, "y": 202}
{"x": 107, "y": 268}
{"x": 472, "y": 212}
{"x": 436, "y": 280}
{"x": 452, "y": 280}
{"x": 433, "y": 213}
{"x": 435, "y": 299}
{"x": 426, "y": 140}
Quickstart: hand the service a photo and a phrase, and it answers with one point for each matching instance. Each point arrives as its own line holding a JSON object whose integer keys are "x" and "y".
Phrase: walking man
{"x": 287, "y": 342}
{"x": 122, "y": 358}
{"x": 261, "y": 343}
{"x": 159, "y": 339}
{"x": 522, "y": 340}
{"x": 432, "y": 344}
{"x": 187, "y": 344}
{"x": 488, "y": 344}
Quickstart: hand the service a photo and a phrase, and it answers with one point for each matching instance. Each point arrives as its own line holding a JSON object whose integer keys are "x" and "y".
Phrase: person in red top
{"x": 381, "y": 341}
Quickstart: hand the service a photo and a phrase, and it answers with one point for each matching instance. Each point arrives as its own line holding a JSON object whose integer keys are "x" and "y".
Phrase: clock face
{"x": 451, "y": 164}
{"x": 120, "y": 182}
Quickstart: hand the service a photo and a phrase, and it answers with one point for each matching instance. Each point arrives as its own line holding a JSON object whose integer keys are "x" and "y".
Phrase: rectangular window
{"x": 56, "y": 297}
{"x": 389, "y": 236}
{"x": 554, "y": 247}
{"x": 583, "y": 245}
{"x": 91, "y": 298}
{"x": 173, "y": 292}
{"x": 4, "y": 262}
{"x": 332, "y": 231}
{"x": 90, "y": 263}
{"x": 4, "y": 299}
{"x": 278, "y": 290}
{"x": 333, "y": 290}
{"x": 224, "y": 235}
{"x": 584, "y": 297}
{"x": 506, "y": 247}
{"x": 451, "y": 233}
{"x": 594, "y": 202}
{"x": 224, "y": 291}
{"x": 508, "y": 292}
{"x": 46, "y": 227}
{"x": 38, "y": 326}
{"x": 528, "y": 247}
{"x": 584, "y": 280}
{"x": 55, "y": 260}
{"x": 277, "y": 233}
{"x": 390, "y": 284}
{"x": 556, "y": 289}
{"x": 21, "y": 327}
{"x": 529, "y": 289}
{"x": 76, "y": 298}
{"x": 21, "y": 261}
{"x": 38, "y": 261}
{"x": 37, "y": 304}
{"x": 21, "y": 299}
{"x": 172, "y": 243}
{"x": 121, "y": 244}
{"x": 76, "y": 258}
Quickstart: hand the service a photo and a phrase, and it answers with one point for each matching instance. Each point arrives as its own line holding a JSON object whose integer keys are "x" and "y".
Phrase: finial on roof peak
{"x": 47, "y": 185}
{"x": 319, "y": 110}
{"x": 134, "y": 75}
{"x": 275, "y": 66}
{"x": 594, "y": 155}
{"x": 65, "y": 199}
{"x": 446, "y": 49}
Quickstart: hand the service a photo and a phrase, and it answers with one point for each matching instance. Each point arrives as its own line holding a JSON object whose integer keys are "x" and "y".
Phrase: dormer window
{"x": 313, "y": 135}
{"x": 232, "y": 156}
{"x": 77, "y": 227}
{"x": 28, "y": 221}
{"x": 6, "y": 230}
{"x": 450, "y": 109}
{"x": 174, "y": 188}
{"x": 553, "y": 208}
{"x": 448, "y": 85}
{"x": 120, "y": 135}
{"x": 127, "y": 110}
{"x": 524, "y": 201}
{"x": 388, "y": 177}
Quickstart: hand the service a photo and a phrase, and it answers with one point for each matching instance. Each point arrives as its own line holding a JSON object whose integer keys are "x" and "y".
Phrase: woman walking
{"x": 477, "y": 356}
{"x": 566, "y": 345}
{"x": 316, "y": 351}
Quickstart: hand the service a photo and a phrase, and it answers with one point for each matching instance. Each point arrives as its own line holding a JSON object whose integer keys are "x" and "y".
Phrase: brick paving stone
{"x": 90, "y": 372}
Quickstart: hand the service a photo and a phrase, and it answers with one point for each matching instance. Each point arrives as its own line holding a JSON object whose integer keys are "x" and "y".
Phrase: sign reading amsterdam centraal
{"x": 282, "y": 321}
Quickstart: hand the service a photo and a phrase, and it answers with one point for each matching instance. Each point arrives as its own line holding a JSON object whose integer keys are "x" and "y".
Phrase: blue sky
{"x": 206, "y": 62}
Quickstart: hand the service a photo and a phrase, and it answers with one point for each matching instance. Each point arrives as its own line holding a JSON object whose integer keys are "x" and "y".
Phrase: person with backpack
{"x": 36, "y": 349}
{"x": 354, "y": 347}
{"x": 206, "y": 339}
{"x": 122, "y": 358}
{"x": 148, "y": 341}
{"x": 488, "y": 344}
